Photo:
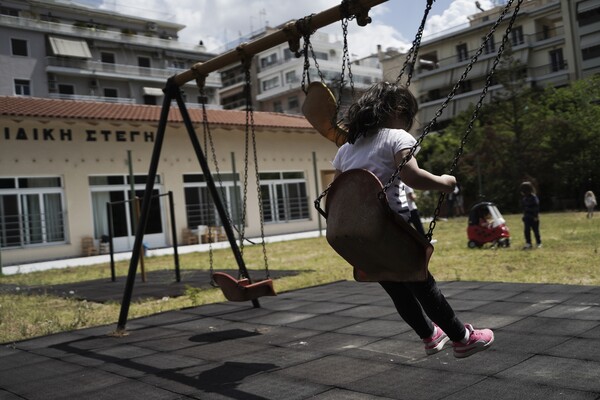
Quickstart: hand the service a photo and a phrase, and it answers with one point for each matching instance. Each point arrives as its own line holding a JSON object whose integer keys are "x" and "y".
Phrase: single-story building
{"x": 65, "y": 165}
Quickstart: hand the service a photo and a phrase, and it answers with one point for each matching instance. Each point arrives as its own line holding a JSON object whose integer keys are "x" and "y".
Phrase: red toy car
{"x": 486, "y": 225}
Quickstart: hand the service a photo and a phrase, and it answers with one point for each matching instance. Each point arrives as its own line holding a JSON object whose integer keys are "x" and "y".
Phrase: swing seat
{"x": 241, "y": 289}
{"x": 362, "y": 228}
{"x": 320, "y": 110}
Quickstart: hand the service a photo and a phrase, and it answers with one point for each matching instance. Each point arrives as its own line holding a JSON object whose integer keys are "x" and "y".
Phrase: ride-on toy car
{"x": 486, "y": 225}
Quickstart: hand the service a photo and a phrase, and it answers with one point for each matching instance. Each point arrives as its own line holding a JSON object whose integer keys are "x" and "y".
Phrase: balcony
{"x": 89, "y": 68}
{"x": 98, "y": 34}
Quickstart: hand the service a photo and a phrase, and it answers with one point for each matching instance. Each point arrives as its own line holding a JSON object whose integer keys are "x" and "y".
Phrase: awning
{"x": 152, "y": 91}
{"x": 590, "y": 40}
{"x": 588, "y": 5}
{"x": 70, "y": 47}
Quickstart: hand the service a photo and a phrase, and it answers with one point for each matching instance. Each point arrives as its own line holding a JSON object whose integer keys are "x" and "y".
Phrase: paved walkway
{"x": 337, "y": 341}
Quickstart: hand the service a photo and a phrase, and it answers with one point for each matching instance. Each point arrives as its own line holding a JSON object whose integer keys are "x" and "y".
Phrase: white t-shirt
{"x": 376, "y": 154}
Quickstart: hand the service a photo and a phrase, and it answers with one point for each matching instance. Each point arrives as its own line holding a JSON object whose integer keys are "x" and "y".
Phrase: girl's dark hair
{"x": 376, "y": 106}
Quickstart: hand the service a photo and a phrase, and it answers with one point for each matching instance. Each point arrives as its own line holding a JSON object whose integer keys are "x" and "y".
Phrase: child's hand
{"x": 450, "y": 182}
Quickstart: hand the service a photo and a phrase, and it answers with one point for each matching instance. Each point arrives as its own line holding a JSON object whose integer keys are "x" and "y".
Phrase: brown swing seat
{"x": 320, "y": 110}
{"x": 241, "y": 289}
{"x": 362, "y": 228}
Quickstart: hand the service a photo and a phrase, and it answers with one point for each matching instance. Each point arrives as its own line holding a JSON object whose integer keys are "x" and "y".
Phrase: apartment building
{"x": 556, "y": 42}
{"x": 277, "y": 73}
{"x": 62, "y": 50}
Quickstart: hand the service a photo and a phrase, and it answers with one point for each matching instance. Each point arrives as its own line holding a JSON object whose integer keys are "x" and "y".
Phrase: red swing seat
{"x": 362, "y": 228}
{"x": 240, "y": 289}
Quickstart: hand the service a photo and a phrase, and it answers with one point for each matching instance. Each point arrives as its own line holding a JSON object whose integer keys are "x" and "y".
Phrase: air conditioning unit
{"x": 152, "y": 27}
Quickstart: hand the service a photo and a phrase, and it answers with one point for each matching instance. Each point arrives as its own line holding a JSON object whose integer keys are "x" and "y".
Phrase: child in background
{"x": 378, "y": 141}
{"x": 531, "y": 215}
{"x": 590, "y": 203}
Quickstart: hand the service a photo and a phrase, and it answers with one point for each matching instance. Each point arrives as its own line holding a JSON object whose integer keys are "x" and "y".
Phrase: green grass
{"x": 569, "y": 256}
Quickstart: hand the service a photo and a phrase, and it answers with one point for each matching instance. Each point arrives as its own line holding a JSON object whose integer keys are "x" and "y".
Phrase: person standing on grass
{"x": 378, "y": 140}
{"x": 415, "y": 217}
{"x": 531, "y": 215}
{"x": 590, "y": 203}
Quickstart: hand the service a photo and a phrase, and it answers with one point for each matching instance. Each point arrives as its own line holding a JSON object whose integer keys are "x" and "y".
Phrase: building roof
{"x": 69, "y": 109}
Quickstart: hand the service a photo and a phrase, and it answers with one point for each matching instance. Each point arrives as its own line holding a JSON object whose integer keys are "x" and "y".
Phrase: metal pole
{"x": 289, "y": 33}
{"x": 235, "y": 191}
{"x": 111, "y": 229}
{"x": 141, "y": 227}
{"x": 314, "y": 157}
{"x": 174, "y": 237}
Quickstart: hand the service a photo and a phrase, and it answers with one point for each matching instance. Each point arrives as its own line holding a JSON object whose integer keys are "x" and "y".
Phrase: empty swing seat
{"x": 361, "y": 228}
{"x": 241, "y": 290}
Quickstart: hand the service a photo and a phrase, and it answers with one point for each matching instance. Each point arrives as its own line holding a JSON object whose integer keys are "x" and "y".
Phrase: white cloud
{"x": 454, "y": 17}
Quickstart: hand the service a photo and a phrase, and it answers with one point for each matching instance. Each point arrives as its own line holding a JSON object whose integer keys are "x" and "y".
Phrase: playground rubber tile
{"x": 573, "y": 346}
{"x": 335, "y": 370}
{"x": 504, "y": 389}
{"x": 558, "y": 372}
{"x": 367, "y": 312}
{"x": 326, "y": 322}
{"x": 408, "y": 382}
{"x": 582, "y": 312}
{"x": 547, "y": 347}
{"x": 375, "y": 328}
{"x": 554, "y": 326}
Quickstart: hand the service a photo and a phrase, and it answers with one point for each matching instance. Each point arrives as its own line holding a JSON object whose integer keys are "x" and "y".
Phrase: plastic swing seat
{"x": 241, "y": 290}
{"x": 362, "y": 228}
{"x": 320, "y": 110}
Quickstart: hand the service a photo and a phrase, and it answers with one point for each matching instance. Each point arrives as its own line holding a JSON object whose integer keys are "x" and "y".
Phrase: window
{"x": 268, "y": 60}
{"x": 108, "y": 92}
{"x": 116, "y": 189}
{"x": 19, "y": 47}
{"x": 284, "y": 196}
{"x": 557, "y": 61}
{"x": 66, "y": 89}
{"x": 277, "y": 106}
{"x": 144, "y": 62}
{"x": 590, "y": 52}
{"x": 108, "y": 58}
{"x": 490, "y": 46}
{"x": 589, "y": 17}
{"x": 179, "y": 64}
{"x": 269, "y": 84}
{"x": 199, "y": 205}
{"x": 31, "y": 211}
{"x": 22, "y": 87}
{"x": 461, "y": 52}
{"x": 293, "y": 103}
{"x": 516, "y": 36}
{"x": 290, "y": 77}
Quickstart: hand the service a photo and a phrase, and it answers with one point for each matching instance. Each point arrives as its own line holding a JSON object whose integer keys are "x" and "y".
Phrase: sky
{"x": 216, "y": 22}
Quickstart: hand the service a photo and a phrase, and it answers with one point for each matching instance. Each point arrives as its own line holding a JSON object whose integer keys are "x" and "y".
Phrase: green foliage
{"x": 549, "y": 136}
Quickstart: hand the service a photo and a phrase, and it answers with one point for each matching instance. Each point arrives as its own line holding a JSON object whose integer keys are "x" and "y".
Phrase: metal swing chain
{"x": 411, "y": 56}
{"x": 250, "y": 130}
{"x": 206, "y": 135}
{"x": 304, "y": 25}
{"x": 450, "y": 96}
{"x": 346, "y": 17}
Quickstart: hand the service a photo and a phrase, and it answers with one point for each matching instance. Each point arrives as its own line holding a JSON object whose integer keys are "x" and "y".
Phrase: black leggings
{"x": 416, "y": 301}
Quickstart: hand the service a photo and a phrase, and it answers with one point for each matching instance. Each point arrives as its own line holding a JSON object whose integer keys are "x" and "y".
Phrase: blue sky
{"x": 215, "y": 22}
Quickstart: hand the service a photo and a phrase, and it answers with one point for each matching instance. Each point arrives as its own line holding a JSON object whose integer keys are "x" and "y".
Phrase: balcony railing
{"x": 94, "y": 33}
{"x": 527, "y": 40}
{"x": 97, "y": 68}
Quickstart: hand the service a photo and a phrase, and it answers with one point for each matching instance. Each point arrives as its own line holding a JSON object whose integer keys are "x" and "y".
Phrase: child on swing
{"x": 377, "y": 141}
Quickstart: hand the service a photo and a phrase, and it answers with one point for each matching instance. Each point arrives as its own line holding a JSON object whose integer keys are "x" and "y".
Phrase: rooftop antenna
{"x": 478, "y": 5}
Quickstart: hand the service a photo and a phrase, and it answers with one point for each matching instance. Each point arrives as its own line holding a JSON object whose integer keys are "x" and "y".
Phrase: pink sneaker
{"x": 479, "y": 340}
{"x": 436, "y": 342}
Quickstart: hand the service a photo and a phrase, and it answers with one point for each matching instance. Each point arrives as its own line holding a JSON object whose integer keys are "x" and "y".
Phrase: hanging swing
{"x": 361, "y": 227}
{"x": 320, "y": 107}
{"x": 240, "y": 288}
